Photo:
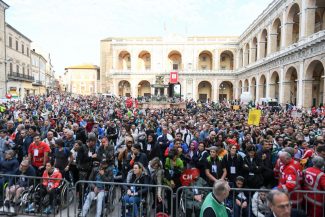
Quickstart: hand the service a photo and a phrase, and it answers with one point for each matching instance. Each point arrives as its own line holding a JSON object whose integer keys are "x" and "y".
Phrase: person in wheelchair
{"x": 103, "y": 173}
{"x": 50, "y": 185}
{"x": 194, "y": 197}
{"x": 134, "y": 194}
{"x": 17, "y": 185}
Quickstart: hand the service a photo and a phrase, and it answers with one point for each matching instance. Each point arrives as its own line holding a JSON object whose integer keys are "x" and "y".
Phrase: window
{"x": 16, "y": 45}
{"x": 204, "y": 67}
{"x": 10, "y": 68}
{"x": 129, "y": 59}
{"x": 98, "y": 74}
{"x": 223, "y": 58}
{"x": 147, "y": 59}
{"x": 27, "y": 51}
{"x": 175, "y": 66}
{"x": 17, "y": 68}
{"x": 10, "y": 42}
{"x": 28, "y": 70}
{"x": 204, "y": 58}
{"x": 23, "y": 70}
{"x": 22, "y": 48}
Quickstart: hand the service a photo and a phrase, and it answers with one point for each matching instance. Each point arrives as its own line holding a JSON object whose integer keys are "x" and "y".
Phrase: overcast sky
{"x": 71, "y": 30}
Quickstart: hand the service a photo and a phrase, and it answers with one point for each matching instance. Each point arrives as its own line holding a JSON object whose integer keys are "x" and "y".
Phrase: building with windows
{"x": 39, "y": 63}
{"x": 3, "y": 59}
{"x": 18, "y": 72}
{"x": 281, "y": 55}
{"x": 82, "y": 79}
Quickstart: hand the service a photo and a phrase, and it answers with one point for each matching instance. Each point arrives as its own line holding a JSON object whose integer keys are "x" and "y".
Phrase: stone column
{"x": 269, "y": 32}
{"x": 288, "y": 33}
{"x": 239, "y": 60}
{"x": 283, "y": 30}
{"x": 286, "y": 87}
{"x": 134, "y": 61}
{"x": 134, "y": 89}
{"x": 267, "y": 86}
{"x": 300, "y": 90}
{"x": 216, "y": 60}
{"x": 215, "y": 90}
{"x": 281, "y": 87}
{"x": 309, "y": 21}
{"x": 308, "y": 93}
{"x": 252, "y": 54}
{"x": 245, "y": 58}
{"x": 261, "y": 50}
{"x": 273, "y": 42}
{"x": 195, "y": 89}
{"x": 323, "y": 89}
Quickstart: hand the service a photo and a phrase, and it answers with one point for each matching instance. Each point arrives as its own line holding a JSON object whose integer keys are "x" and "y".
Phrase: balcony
{"x": 181, "y": 72}
{"x": 38, "y": 83}
{"x": 21, "y": 77}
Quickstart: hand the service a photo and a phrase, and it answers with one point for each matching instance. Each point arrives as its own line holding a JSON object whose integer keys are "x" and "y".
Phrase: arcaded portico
{"x": 281, "y": 55}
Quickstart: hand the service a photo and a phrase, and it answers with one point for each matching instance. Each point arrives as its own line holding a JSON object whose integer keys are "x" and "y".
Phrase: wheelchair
{"x": 144, "y": 206}
{"x": 109, "y": 201}
{"x": 31, "y": 195}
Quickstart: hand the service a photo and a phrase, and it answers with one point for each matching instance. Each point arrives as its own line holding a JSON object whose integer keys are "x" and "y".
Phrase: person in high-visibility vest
{"x": 2, "y": 109}
{"x": 213, "y": 204}
{"x": 314, "y": 180}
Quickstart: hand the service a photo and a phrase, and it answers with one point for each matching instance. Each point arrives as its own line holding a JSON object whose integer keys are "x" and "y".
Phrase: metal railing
{"x": 122, "y": 199}
{"x": 25, "y": 195}
{"x": 15, "y": 75}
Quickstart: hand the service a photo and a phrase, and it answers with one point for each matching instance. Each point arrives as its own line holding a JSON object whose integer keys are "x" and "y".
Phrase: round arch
{"x": 240, "y": 88}
{"x": 204, "y": 91}
{"x": 263, "y": 43}
{"x": 274, "y": 85}
{"x": 226, "y": 91}
{"x": 276, "y": 35}
{"x": 144, "y": 60}
{"x": 262, "y": 87}
{"x": 314, "y": 84}
{"x": 246, "y": 55}
{"x": 227, "y": 60}
{"x": 124, "y": 88}
{"x": 290, "y": 86}
{"x": 175, "y": 60}
{"x": 293, "y": 27}
{"x": 124, "y": 60}
{"x": 144, "y": 88}
{"x": 253, "y": 88}
{"x": 205, "y": 60}
{"x": 246, "y": 85}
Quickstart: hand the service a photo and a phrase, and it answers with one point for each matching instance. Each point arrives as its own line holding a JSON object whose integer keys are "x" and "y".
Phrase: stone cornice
{"x": 304, "y": 49}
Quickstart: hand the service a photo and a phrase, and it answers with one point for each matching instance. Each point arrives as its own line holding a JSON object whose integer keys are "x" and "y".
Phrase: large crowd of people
{"x": 96, "y": 138}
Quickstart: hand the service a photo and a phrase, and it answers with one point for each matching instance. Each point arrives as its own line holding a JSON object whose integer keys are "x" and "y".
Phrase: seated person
{"x": 17, "y": 186}
{"x": 103, "y": 173}
{"x": 51, "y": 181}
{"x": 134, "y": 193}
{"x": 194, "y": 197}
{"x": 259, "y": 204}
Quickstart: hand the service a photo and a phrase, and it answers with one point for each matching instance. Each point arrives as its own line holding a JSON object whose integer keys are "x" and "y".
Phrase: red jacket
{"x": 290, "y": 180}
{"x": 54, "y": 182}
{"x": 314, "y": 180}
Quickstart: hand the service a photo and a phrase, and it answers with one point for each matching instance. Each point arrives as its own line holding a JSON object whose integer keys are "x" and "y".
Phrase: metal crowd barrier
{"x": 190, "y": 200}
{"x": 114, "y": 199}
{"x": 311, "y": 202}
{"x": 24, "y": 195}
{"x": 186, "y": 202}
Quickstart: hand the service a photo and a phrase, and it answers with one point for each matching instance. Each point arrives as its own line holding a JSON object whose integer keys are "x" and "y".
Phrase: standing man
{"x": 280, "y": 205}
{"x": 314, "y": 180}
{"x": 213, "y": 204}
{"x": 38, "y": 155}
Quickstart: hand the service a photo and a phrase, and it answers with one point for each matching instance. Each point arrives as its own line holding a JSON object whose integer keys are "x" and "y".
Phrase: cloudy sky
{"x": 71, "y": 30}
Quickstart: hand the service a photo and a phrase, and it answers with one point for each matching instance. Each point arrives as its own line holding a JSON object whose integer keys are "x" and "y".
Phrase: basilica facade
{"x": 280, "y": 56}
